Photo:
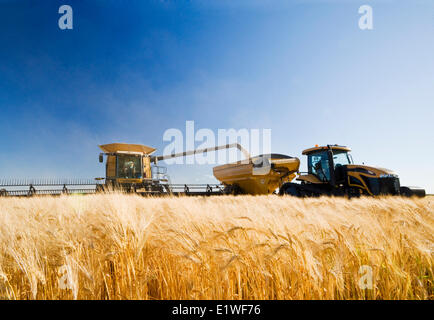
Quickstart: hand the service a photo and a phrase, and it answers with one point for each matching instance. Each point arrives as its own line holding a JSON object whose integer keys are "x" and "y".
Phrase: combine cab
{"x": 128, "y": 168}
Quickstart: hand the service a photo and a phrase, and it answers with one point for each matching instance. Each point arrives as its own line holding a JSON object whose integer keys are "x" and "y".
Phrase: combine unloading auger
{"x": 199, "y": 151}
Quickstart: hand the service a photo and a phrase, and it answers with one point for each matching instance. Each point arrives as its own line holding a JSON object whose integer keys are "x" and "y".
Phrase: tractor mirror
{"x": 101, "y": 158}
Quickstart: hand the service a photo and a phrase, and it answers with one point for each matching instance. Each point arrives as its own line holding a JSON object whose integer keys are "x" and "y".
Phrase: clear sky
{"x": 129, "y": 70}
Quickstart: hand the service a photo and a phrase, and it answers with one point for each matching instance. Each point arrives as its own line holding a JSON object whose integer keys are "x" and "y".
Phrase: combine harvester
{"x": 129, "y": 168}
{"x": 132, "y": 168}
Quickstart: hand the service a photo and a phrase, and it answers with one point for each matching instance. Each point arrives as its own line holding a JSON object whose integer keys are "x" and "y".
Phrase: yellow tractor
{"x": 331, "y": 171}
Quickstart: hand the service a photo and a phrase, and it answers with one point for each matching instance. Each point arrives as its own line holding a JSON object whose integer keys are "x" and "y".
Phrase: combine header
{"x": 30, "y": 187}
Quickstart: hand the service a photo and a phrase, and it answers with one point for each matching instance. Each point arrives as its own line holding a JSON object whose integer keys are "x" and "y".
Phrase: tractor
{"x": 331, "y": 171}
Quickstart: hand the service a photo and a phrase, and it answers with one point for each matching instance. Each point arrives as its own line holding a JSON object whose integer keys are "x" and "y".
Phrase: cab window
{"x": 129, "y": 166}
{"x": 318, "y": 164}
{"x": 341, "y": 158}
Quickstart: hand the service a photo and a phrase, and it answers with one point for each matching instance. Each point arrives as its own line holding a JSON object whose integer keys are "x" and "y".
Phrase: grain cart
{"x": 257, "y": 175}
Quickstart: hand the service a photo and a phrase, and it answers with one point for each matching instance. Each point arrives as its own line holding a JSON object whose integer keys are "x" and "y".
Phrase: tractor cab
{"x": 326, "y": 164}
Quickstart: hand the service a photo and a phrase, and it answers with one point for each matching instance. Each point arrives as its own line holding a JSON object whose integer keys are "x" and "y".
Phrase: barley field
{"x": 116, "y": 246}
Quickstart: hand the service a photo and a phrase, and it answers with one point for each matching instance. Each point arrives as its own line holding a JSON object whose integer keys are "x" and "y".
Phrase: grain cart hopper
{"x": 331, "y": 171}
{"x": 257, "y": 175}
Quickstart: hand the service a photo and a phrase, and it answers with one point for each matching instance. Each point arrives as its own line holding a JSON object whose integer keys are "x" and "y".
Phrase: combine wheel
{"x": 3, "y": 193}
{"x": 130, "y": 188}
{"x": 100, "y": 188}
{"x": 159, "y": 188}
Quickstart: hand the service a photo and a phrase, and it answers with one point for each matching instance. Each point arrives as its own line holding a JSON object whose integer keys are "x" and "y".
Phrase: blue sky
{"x": 129, "y": 70}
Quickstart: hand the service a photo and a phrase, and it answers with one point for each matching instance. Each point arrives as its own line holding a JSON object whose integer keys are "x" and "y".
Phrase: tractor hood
{"x": 377, "y": 171}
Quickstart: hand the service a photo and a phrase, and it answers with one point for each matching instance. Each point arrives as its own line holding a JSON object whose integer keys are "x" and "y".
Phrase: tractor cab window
{"x": 318, "y": 164}
{"x": 129, "y": 166}
{"x": 341, "y": 158}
